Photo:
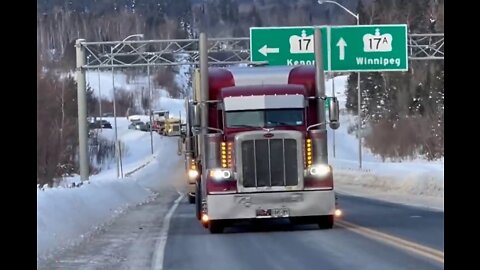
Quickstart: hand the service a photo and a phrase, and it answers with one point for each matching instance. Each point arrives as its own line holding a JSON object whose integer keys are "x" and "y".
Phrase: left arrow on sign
{"x": 265, "y": 50}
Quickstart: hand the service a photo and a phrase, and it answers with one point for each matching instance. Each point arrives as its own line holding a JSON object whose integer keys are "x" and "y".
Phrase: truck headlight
{"x": 320, "y": 170}
{"x": 192, "y": 174}
{"x": 219, "y": 174}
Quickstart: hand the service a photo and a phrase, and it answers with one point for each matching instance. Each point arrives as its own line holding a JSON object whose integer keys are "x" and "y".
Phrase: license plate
{"x": 274, "y": 212}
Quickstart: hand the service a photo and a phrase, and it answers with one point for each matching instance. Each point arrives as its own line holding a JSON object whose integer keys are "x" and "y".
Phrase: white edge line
{"x": 159, "y": 254}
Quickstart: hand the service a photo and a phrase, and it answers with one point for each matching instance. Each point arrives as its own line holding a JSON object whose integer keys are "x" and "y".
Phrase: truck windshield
{"x": 265, "y": 118}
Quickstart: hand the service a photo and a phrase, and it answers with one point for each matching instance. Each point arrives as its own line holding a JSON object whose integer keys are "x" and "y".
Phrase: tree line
{"x": 403, "y": 110}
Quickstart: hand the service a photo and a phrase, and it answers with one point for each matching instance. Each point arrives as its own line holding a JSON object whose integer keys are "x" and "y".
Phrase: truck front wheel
{"x": 191, "y": 198}
{"x": 198, "y": 201}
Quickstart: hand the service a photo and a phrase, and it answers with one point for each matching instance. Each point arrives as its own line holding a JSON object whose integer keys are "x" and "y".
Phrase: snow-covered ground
{"x": 136, "y": 146}
{"x": 176, "y": 107}
{"x": 416, "y": 182}
{"x": 101, "y": 83}
{"x": 67, "y": 215}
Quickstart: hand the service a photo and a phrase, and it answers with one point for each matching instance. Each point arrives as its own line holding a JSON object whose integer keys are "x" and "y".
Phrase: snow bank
{"x": 416, "y": 182}
{"x": 400, "y": 183}
{"x": 65, "y": 216}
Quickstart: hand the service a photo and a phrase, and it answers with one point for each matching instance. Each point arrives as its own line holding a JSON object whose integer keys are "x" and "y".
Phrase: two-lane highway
{"x": 425, "y": 227}
{"x": 164, "y": 234}
{"x": 279, "y": 245}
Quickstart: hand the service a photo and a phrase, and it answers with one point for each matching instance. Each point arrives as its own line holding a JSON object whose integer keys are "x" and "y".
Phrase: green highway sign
{"x": 345, "y": 48}
{"x": 368, "y": 48}
{"x": 285, "y": 46}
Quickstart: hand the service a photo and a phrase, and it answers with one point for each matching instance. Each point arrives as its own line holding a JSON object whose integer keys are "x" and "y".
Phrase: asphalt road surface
{"x": 164, "y": 234}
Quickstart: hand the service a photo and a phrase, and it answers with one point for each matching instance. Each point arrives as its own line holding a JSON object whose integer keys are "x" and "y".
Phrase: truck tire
{"x": 326, "y": 222}
{"x": 198, "y": 201}
{"x": 215, "y": 226}
{"x": 191, "y": 198}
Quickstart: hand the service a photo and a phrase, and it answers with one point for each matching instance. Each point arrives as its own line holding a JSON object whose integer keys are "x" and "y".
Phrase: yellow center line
{"x": 425, "y": 251}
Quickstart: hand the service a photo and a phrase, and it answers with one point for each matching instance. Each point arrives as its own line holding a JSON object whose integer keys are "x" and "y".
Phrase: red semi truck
{"x": 265, "y": 142}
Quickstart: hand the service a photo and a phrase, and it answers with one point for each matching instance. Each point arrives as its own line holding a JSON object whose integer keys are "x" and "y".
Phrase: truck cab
{"x": 159, "y": 118}
{"x": 172, "y": 127}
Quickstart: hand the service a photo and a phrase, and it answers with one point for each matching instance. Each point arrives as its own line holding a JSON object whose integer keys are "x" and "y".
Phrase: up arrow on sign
{"x": 341, "y": 44}
{"x": 265, "y": 50}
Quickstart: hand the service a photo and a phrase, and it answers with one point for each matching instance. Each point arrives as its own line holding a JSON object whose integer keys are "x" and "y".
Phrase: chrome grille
{"x": 269, "y": 162}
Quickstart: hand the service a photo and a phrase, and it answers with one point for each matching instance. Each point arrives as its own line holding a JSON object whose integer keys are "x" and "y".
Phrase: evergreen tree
{"x": 352, "y": 93}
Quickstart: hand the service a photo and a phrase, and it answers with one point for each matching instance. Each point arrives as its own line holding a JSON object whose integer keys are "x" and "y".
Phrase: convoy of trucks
{"x": 166, "y": 125}
{"x": 255, "y": 146}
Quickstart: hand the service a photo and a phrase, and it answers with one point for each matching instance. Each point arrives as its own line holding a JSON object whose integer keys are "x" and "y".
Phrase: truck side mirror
{"x": 334, "y": 113}
{"x": 183, "y": 130}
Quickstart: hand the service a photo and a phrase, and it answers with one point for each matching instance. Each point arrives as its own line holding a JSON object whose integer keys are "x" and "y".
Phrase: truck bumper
{"x": 245, "y": 205}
